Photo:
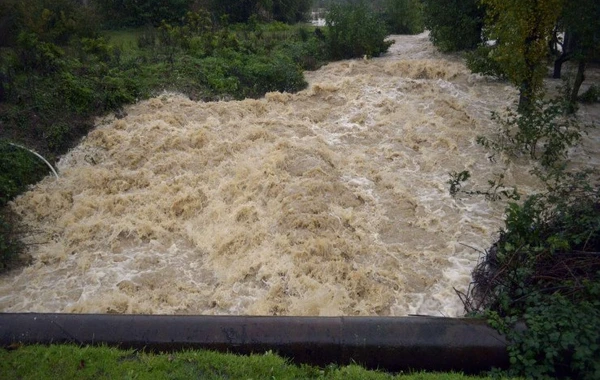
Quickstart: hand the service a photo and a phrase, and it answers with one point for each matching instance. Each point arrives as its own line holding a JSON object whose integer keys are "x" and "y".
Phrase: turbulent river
{"x": 331, "y": 201}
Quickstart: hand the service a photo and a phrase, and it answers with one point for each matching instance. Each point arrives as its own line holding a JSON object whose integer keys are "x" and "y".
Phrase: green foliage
{"x": 10, "y": 245}
{"x": 264, "y": 74}
{"x": 561, "y": 337}
{"x": 592, "y": 95}
{"x": 129, "y": 13}
{"x": 480, "y": 61}
{"x": 454, "y": 25}
{"x": 542, "y": 131}
{"x": 18, "y": 168}
{"x": 287, "y": 11}
{"x": 522, "y": 30}
{"x": 355, "y": 30}
{"x": 580, "y": 19}
{"x": 309, "y": 52}
{"x": 544, "y": 271}
{"x": 36, "y": 55}
{"x": 404, "y": 16}
{"x": 290, "y": 11}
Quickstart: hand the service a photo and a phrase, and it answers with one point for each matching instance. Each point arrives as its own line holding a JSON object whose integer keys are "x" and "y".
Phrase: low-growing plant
{"x": 480, "y": 61}
{"x": 18, "y": 169}
{"x": 10, "y": 245}
{"x": 404, "y": 16}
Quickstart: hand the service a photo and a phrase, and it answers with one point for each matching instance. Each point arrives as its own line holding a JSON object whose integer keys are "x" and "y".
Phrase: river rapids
{"x": 332, "y": 201}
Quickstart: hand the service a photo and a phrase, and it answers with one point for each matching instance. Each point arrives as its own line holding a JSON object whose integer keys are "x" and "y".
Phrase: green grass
{"x": 72, "y": 362}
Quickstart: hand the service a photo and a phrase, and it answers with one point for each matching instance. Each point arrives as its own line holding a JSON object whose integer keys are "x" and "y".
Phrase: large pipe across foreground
{"x": 387, "y": 343}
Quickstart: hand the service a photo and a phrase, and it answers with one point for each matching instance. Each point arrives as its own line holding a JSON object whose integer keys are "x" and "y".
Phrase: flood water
{"x": 331, "y": 201}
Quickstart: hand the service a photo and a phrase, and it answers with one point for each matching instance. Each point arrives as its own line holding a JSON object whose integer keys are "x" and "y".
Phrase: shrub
{"x": 542, "y": 131}
{"x": 355, "y": 30}
{"x": 480, "y": 61}
{"x": 10, "y": 246}
{"x": 128, "y": 13}
{"x": 18, "y": 168}
{"x": 260, "y": 74}
{"x": 544, "y": 271}
{"x": 309, "y": 52}
{"x": 592, "y": 95}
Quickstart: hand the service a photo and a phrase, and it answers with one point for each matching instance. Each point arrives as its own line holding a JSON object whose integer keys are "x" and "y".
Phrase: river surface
{"x": 331, "y": 201}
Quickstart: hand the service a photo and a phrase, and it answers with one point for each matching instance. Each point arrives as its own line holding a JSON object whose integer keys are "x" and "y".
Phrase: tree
{"x": 290, "y": 11}
{"x": 577, "y": 33}
{"x": 582, "y": 31}
{"x": 140, "y": 12}
{"x": 454, "y": 24}
{"x": 522, "y": 30}
{"x": 404, "y": 16}
{"x": 355, "y": 30}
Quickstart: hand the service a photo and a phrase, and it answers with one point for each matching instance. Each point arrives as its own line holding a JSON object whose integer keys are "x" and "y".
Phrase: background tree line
{"x": 137, "y": 13}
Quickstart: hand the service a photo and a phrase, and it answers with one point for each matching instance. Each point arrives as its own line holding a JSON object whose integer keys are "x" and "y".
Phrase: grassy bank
{"x": 70, "y": 362}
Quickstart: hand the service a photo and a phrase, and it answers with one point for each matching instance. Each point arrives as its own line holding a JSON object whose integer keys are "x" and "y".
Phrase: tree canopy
{"x": 522, "y": 30}
{"x": 454, "y": 24}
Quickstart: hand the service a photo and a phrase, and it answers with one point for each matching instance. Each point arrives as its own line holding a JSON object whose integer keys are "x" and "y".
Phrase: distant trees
{"x": 141, "y": 12}
{"x": 290, "y": 11}
{"x": 454, "y": 24}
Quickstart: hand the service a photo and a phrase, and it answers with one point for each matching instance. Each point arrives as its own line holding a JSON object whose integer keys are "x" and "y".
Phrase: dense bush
{"x": 54, "y": 21}
{"x": 544, "y": 271}
{"x": 454, "y": 24}
{"x": 542, "y": 131}
{"x": 592, "y": 95}
{"x": 355, "y": 30}
{"x": 404, "y": 16}
{"x": 480, "y": 61}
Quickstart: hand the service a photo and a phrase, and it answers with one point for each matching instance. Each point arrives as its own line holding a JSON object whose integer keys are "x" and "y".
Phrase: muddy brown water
{"x": 331, "y": 201}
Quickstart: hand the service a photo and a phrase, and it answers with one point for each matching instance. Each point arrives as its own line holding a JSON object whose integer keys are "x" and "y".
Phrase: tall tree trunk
{"x": 525, "y": 97}
{"x": 579, "y": 78}
{"x": 567, "y": 48}
{"x": 564, "y": 57}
